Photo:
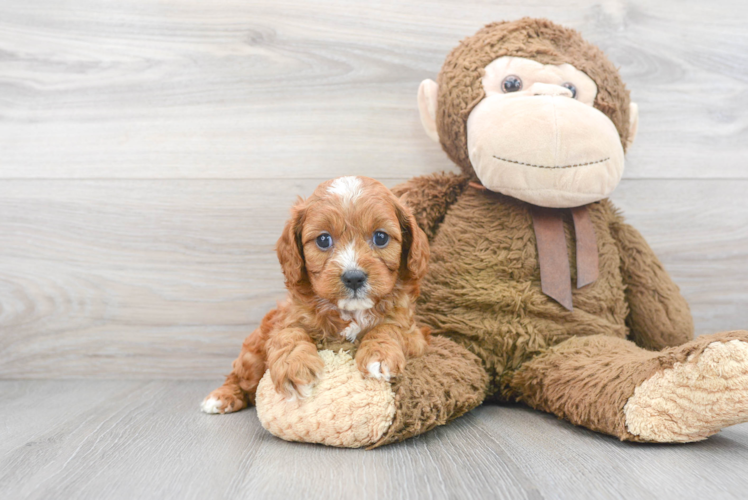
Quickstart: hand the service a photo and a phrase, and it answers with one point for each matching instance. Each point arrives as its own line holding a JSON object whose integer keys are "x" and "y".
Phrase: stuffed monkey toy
{"x": 537, "y": 291}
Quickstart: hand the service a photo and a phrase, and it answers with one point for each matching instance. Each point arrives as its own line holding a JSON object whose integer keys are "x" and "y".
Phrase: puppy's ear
{"x": 290, "y": 248}
{"x": 415, "y": 255}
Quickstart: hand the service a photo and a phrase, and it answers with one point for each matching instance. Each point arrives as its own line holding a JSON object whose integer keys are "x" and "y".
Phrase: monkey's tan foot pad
{"x": 344, "y": 408}
{"x": 693, "y": 399}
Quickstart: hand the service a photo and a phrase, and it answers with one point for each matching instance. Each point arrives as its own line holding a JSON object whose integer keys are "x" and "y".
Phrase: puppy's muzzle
{"x": 353, "y": 280}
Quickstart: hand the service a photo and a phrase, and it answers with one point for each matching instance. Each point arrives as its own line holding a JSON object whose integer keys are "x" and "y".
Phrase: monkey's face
{"x": 537, "y": 136}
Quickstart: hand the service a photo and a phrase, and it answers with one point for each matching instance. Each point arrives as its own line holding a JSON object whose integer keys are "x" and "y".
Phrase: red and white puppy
{"x": 353, "y": 257}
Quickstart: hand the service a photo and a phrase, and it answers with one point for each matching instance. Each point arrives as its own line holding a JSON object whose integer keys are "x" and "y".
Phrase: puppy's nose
{"x": 353, "y": 279}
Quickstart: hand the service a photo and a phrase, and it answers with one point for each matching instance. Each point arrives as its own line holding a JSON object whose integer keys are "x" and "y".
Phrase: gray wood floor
{"x": 148, "y": 440}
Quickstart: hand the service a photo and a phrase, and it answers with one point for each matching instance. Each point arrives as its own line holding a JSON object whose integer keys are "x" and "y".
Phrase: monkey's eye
{"x": 511, "y": 84}
{"x": 381, "y": 239}
{"x": 571, "y": 87}
{"x": 324, "y": 241}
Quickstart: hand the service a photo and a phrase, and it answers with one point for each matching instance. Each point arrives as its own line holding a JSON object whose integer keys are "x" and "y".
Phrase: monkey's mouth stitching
{"x": 545, "y": 166}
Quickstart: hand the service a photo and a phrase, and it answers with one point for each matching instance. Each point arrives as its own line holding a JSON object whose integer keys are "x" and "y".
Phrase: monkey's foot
{"x": 693, "y": 399}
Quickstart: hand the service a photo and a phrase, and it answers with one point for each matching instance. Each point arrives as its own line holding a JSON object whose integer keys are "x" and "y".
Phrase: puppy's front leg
{"x": 381, "y": 353}
{"x": 293, "y": 362}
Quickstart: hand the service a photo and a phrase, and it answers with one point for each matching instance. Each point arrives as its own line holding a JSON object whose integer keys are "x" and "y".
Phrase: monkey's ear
{"x": 289, "y": 247}
{"x": 633, "y": 124}
{"x": 427, "y": 94}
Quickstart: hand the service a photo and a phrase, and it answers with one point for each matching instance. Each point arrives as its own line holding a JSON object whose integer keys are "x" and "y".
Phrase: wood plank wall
{"x": 149, "y": 152}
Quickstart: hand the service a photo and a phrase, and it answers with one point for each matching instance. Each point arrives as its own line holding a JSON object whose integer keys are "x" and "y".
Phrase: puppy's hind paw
{"x": 219, "y": 402}
{"x": 211, "y": 405}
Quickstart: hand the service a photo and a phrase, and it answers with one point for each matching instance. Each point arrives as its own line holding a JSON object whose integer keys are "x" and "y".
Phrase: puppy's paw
{"x": 211, "y": 405}
{"x": 381, "y": 364}
{"x": 294, "y": 392}
{"x": 379, "y": 370}
{"x": 222, "y": 401}
{"x": 295, "y": 373}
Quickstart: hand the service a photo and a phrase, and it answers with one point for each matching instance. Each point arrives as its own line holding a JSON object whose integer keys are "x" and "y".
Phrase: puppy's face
{"x": 352, "y": 241}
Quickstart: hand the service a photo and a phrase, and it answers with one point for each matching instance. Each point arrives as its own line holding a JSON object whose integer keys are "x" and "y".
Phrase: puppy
{"x": 353, "y": 257}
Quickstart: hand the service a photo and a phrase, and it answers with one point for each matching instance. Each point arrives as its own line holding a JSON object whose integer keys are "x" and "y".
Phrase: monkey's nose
{"x": 353, "y": 279}
{"x": 539, "y": 88}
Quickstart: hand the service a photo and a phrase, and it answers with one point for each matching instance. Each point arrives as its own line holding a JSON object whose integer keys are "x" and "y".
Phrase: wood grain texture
{"x": 277, "y": 88}
{"x": 148, "y": 440}
{"x": 162, "y": 279}
{"x": 596, "y": 466}
{"x": 149, "y": 152}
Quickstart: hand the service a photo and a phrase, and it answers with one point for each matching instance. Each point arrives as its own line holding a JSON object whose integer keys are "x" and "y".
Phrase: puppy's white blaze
{"x": 347, "y": 258}
{"x": 211, "y": 405}
{"x": 362, "y": 317}
{"x": 351, "y": 332}
{"x": 348, "y": 188}
{"x": 355, "y": 304}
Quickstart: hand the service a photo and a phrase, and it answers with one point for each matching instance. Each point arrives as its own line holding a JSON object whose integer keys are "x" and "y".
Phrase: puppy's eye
{"x": 511, "y": 84}
{"x": 324, "y": 241}
{"x": 381, "y": 239}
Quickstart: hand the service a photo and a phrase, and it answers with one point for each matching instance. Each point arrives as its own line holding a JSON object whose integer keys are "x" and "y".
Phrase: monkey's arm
{"x": 429, "y": 197}
{"x": 659, "y": 316}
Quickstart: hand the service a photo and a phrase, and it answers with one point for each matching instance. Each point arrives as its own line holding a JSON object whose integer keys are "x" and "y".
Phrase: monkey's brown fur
{"x": 483, "y": 288}
{"x": 483, "y": 292}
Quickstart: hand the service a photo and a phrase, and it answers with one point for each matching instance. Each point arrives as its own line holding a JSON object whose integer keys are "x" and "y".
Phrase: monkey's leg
{"x": 443, "y": 384}
{"x": 680, "y": 394}
{"x": 349, "y": 410}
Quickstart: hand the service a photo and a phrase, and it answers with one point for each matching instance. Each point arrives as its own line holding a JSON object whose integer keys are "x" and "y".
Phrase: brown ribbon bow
{"x": 553, "y": 256}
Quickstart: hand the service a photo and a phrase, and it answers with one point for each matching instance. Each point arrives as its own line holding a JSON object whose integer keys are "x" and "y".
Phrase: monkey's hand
{"x": 659, "y": 316}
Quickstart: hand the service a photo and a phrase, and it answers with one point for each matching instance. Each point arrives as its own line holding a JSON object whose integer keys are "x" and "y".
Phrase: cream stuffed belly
{"x": 344, "y": 408}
